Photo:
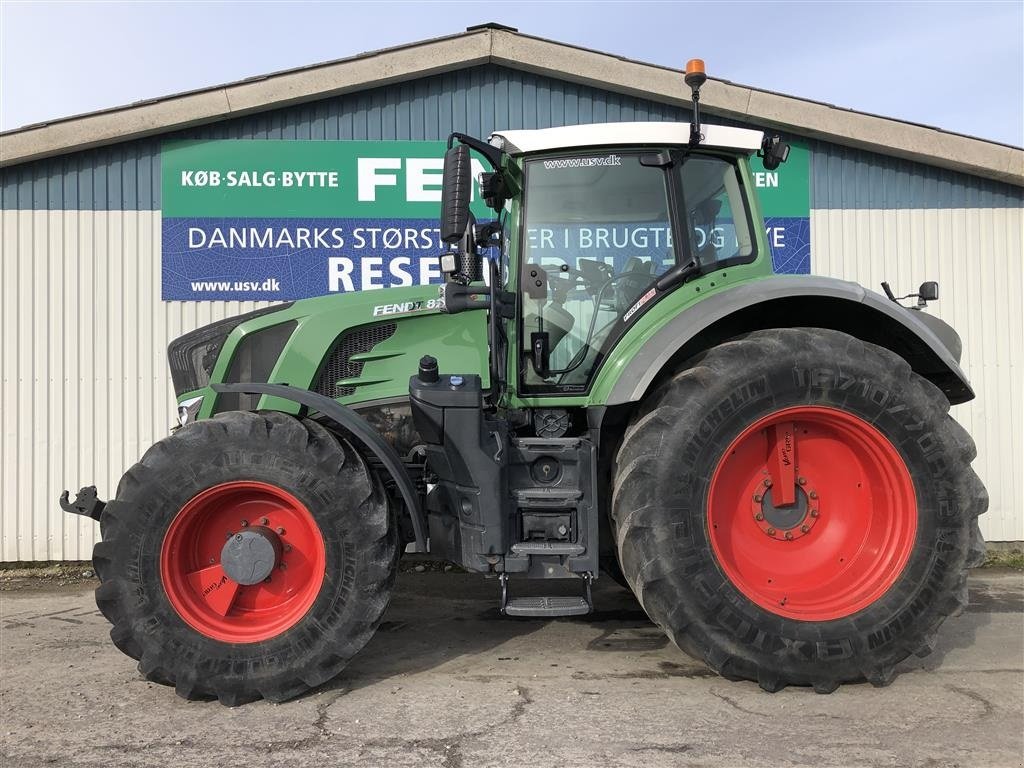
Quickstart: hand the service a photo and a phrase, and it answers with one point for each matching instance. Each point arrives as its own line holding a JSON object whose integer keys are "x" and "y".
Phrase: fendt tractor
{"x": 767, "y": 461}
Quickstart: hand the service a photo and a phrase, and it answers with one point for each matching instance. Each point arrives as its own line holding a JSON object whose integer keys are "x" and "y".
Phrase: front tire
{"x": 249, "y": 555}
{"x": 861, "y": 559}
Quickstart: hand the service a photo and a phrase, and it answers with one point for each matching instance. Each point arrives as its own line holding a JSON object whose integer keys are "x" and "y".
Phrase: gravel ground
{"x": 447, "y": 682}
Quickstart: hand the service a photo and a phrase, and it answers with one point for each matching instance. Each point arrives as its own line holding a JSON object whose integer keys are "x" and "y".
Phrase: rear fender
{"x": 930, "y": 346}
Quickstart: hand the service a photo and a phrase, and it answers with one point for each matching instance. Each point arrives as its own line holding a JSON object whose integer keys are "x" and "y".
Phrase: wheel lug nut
{"x": 814, "y": 513}
{"x": 814, "y": 494}
{"x": 244, "y": 523}
{"x": 805, "y": 528}
{"x": 264, "y": 521}
{"x": 789, "y": 535}
{"x": 280, "y": 531}
{"x": 767, "y": 482}
{"x": 759, "y": 516}
{"x": 802, "y": 481}
{"x": 212, "y": 561}
{"x": 266, "y": 580}
{"x": 283, "y": 566}
{"x": 287, "y": 547}
{"x": 771, "y": 531}
{"x": 757, "y": 497}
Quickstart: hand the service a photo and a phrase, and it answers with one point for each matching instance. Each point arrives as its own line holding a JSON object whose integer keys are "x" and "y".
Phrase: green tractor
{"x": 767, "y": 462}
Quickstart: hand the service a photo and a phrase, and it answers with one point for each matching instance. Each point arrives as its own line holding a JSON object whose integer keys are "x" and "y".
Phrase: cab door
{"x": 597, "y": 231}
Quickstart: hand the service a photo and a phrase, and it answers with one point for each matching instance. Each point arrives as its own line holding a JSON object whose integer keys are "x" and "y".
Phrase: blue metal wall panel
{"x": 848, "y": 178}
{"x": 476, "y": 100}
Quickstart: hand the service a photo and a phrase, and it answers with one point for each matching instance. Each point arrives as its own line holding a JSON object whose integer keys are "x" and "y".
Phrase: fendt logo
{"x": 405, "y": 307}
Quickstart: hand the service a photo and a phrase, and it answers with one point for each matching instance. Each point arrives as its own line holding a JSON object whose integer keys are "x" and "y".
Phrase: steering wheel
{"x": 594, "y": 273}
{"x": 616, "y": 292}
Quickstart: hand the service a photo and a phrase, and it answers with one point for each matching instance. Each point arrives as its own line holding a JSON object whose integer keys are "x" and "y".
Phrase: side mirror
{"x": 928, "y": 291}
{"x": 456, "y": 191}
{"x": 773, "y": 153}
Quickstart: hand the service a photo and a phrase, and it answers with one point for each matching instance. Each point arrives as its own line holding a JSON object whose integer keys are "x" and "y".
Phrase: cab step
{"x": 561, "y": 548}
{"x": 547, "y": 606}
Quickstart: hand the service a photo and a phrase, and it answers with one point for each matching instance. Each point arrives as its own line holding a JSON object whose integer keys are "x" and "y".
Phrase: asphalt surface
{"x": 447, "y": 682}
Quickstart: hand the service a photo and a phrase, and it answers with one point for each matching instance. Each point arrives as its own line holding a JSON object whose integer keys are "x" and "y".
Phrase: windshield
{"x": 598, "y": 230}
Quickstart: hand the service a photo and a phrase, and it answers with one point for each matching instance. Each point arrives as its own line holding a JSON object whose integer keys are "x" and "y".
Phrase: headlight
{"x": 192, "y": 357}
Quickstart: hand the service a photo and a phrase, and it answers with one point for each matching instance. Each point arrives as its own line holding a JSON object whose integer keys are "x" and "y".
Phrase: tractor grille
{"x": 339, "y": 366}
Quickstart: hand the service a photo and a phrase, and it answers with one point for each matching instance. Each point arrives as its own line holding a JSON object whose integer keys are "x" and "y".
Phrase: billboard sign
{"x": 280, "y": 220}
{"x": 785, "y": 197}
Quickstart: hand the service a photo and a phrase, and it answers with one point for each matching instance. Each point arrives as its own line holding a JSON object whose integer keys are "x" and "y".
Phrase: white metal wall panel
{"x": 976, "y": 254}
{"x": 84, "y": 333}
{"x": 85, "y": 383}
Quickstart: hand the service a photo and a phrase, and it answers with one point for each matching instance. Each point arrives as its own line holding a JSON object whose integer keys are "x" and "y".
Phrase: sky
{"x": 954, "y": 65}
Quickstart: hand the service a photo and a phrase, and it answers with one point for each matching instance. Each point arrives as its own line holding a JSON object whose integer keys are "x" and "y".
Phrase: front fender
{"x": 353, "y": 423}
{"x": 930, "y": 346}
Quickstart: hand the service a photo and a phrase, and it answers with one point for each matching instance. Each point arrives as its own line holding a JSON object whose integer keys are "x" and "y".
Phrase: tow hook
{"x": 86, "y": 503}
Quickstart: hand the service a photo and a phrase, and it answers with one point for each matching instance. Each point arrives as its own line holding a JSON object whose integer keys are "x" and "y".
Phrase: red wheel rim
{"x": 201, "y": 591}
{"x": 840, "y": 537}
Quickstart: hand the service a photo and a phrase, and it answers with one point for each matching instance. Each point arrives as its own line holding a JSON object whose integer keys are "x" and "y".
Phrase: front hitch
{"x": 86, "y": 503}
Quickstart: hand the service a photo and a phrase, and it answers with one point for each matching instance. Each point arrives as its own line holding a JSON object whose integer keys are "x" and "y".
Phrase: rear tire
{"x": 275, "y": 638}
{"x": 700, "y": 560}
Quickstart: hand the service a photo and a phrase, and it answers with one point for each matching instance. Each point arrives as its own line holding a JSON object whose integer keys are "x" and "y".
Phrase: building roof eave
{"x": 506, "y": 47}
{"x": 887, "y": 136}
{"x": 258, "y": 94}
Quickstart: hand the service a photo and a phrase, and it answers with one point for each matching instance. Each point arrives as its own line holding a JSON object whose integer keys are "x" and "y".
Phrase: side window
{"x": 716, "y": 210}
{"x": 597, "y": 231}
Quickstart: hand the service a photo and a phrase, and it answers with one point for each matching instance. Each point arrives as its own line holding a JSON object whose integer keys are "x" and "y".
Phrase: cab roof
{"x": 622, "y": 134}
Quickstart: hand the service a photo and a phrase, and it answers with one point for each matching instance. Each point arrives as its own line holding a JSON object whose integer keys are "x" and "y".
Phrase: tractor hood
{"x": 353, "y": 347}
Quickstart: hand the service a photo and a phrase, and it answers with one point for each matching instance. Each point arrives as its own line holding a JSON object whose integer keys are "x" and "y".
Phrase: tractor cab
{"x": 613, "y": 218}
{"x": 595, "y": 225}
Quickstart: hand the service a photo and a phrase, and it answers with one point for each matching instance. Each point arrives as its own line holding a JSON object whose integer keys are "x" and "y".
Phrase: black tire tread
{"x": 118, "y": 597}
{"x": 637, "y": 518}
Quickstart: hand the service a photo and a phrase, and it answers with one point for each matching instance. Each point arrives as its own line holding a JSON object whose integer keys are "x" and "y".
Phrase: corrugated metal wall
{"x": 84, "y": 332}
{"x": 85, "y": 382}
{"x": 875, "y": 218}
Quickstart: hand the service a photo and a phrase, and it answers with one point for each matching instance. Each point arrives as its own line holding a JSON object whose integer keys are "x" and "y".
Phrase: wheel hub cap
{"x": 250, "y": 557}
{"x": 785, "y": 521}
